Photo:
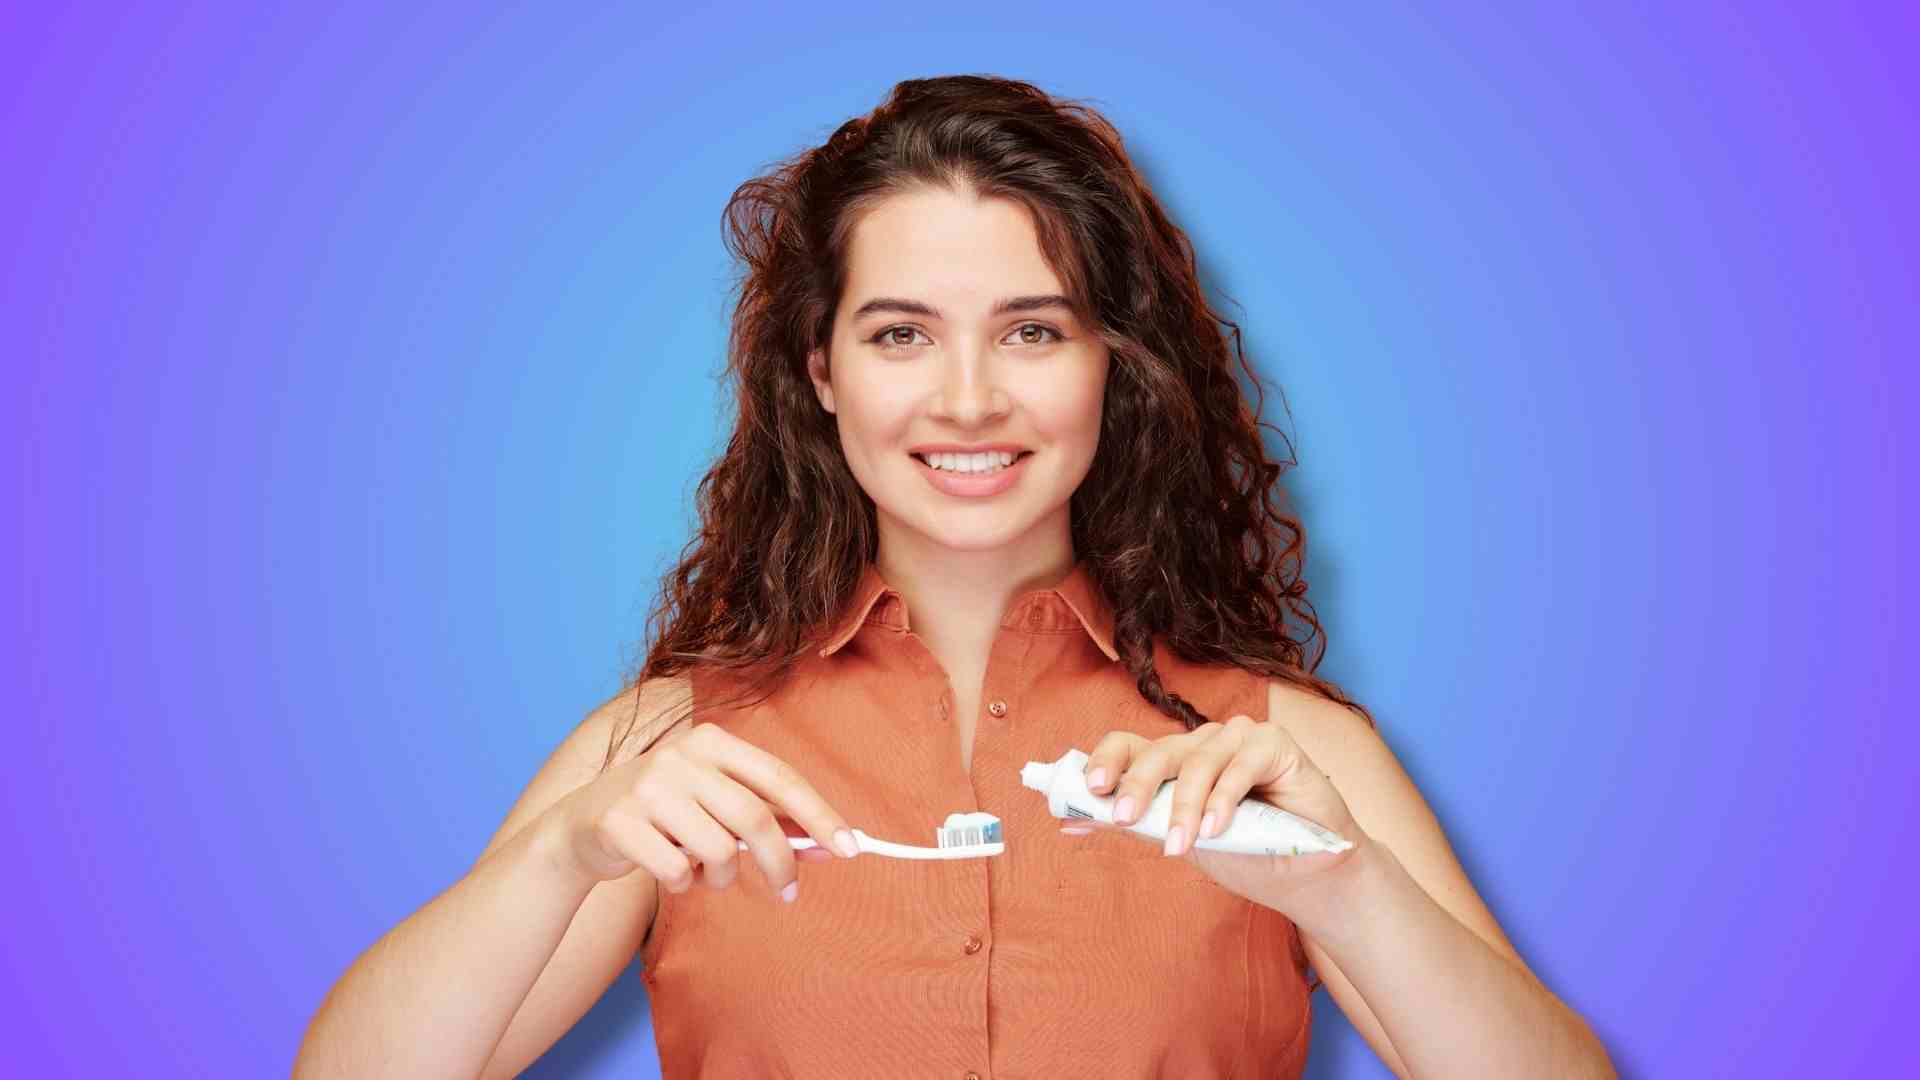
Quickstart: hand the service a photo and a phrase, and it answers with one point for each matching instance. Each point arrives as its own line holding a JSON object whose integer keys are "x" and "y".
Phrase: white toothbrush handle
{"x": 892, "y": 850}
{"x": 871, "y": 846}
{"x": 799, "y": 843}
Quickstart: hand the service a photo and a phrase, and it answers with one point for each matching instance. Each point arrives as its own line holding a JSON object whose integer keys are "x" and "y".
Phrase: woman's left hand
{"x": 1213, "y": 767}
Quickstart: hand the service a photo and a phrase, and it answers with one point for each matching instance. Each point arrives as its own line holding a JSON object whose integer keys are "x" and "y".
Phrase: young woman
{"x": 993, "y": 493}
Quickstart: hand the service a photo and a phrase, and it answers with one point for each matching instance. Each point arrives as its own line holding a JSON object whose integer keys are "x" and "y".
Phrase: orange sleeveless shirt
{"x": 1062, "y": 956}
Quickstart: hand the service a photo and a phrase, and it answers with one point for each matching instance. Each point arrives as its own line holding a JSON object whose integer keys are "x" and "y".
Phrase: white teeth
{"x": 986, "y": 462}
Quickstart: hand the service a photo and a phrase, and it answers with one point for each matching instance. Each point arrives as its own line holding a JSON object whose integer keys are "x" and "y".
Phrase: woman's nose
{"x": 969, "y": 393}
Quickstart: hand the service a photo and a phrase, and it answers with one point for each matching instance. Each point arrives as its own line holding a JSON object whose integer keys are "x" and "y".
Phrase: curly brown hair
{"x": 1212, "y": 565}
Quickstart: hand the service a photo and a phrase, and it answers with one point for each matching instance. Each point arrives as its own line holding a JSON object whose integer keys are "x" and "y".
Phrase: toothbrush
{"x": 963, "y": 836}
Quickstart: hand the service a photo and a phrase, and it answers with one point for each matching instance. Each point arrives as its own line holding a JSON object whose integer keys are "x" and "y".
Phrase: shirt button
{"x": 973, "y": 1076}
{"x": 973, "y": 945}
{"x": 998, "y": 708}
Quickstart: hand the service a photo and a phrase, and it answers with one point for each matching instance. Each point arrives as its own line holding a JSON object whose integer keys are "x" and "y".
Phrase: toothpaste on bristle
{"x": 966, "y": 830}
{"x": 1256, "y": 827}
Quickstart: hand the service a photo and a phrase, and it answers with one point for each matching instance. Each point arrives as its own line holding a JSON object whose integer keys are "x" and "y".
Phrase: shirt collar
{"x": 1075, "y": 598}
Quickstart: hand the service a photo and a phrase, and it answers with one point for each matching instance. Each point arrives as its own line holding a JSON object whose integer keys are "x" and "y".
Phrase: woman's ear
{"x": 817, "y": 371}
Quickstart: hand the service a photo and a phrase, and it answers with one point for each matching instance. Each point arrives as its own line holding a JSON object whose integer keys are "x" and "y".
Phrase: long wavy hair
{"x": 1212, "y": 564}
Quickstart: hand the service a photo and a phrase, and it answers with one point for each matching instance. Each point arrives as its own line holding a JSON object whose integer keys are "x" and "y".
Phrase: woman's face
{"x": 922, "y": 356}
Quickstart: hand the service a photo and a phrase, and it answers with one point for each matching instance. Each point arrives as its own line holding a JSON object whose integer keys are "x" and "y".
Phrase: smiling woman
{"x": 993, "y": 493}
{"x": 973, "y": 359}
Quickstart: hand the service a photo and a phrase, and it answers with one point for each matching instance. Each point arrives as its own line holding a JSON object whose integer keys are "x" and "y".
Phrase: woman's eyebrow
{"x": 927, "y": 311}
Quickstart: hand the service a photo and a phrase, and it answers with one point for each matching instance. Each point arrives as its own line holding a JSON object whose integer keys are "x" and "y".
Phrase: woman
{"x": 993, "y": 493}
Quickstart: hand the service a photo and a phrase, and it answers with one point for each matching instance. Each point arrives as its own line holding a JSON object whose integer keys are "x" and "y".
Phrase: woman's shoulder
{"x": 1218, "y": 689}
{"x": 1291, "y": 702}
{"x": 650, "y": 697}
{"x": 639, "y": 713}
{"x": 1231, "y": 689}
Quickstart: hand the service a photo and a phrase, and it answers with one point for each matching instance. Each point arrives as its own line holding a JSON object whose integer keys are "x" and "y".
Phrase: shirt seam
{"x": 662, "y": 911}
{"x": 1300, "y": 1029}
{"x": 1018, "y": 703}
{"x": 1246, "y": 992}
{"x": 1020, "y": 675}
{"x": 656, "y": 935}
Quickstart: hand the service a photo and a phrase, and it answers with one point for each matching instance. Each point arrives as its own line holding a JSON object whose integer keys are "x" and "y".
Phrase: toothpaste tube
{"x": 1256, "y": 828}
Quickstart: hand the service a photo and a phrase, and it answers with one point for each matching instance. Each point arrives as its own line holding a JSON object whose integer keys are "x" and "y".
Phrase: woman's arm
{"x": 1449, "y": 1004}
{"x": 1403, "y": 941}
{"x": 487, "y": 976}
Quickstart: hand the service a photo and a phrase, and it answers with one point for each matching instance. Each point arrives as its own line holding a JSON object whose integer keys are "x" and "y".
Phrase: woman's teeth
{"x": 989, "y": 462}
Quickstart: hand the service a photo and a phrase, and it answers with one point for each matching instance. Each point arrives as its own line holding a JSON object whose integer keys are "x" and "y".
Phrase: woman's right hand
{"x": 704, "y": 790}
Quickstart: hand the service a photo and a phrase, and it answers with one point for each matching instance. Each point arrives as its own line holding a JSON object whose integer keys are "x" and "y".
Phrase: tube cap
{"x": 1037, "y": 775}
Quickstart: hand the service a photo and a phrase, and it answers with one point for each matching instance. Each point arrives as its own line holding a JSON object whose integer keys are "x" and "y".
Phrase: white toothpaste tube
{"x": 1257, "y": 827}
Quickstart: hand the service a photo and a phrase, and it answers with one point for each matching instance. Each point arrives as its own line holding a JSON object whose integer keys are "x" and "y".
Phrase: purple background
{"x": 359, "y": 370}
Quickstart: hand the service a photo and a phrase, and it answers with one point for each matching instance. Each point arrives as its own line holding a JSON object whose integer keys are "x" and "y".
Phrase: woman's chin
{"x": 964, "y": 529}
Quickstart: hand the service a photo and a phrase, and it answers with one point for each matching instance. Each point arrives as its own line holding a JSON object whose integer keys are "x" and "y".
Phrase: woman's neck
{"x": 955, "y": 601}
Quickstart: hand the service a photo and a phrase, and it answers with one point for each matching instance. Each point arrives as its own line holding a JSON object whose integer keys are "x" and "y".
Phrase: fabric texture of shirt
{"x": 1061, "y": 957}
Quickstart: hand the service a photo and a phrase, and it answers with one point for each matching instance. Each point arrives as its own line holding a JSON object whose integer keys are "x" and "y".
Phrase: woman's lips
{"x": 973, "y": 485}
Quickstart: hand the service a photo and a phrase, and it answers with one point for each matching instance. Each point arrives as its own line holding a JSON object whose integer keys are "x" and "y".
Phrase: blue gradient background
{"x": 361, "y": 367}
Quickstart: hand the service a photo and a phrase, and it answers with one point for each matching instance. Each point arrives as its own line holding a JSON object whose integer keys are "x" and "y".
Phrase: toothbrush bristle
{"x": 977, "y": 829}
{"x": 969, "y": 835}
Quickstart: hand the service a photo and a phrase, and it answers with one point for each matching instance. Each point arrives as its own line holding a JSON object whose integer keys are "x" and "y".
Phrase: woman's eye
{"x": 1043, "y": 328}
{"x": 886, "y": 338}
{"x": 889, "y": 338}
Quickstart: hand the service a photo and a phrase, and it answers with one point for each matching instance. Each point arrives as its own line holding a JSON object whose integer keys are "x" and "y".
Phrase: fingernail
{"x": 1097, "y": 779}
{"x": 1206, "y": 824}
{"x": 792, "y": 890}
{"x": 848, "y": 845}
{"x": 1174, "y": 839}
{"x": 1075, "y": 830}
{"x": 1123, "y": 813}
